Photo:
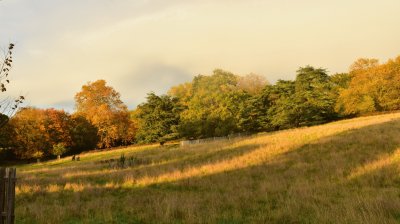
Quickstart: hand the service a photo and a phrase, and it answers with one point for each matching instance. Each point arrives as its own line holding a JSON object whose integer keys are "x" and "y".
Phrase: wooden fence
{"x": 7, "y": 195}
{"x": 213, "y": 139}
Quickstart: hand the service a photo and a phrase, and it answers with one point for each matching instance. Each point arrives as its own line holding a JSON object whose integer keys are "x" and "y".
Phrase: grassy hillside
{"x": 342, "y": 172}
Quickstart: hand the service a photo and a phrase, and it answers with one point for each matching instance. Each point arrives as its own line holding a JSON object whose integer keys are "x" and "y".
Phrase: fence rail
{"x": 213, "y": 139}
{"x": 7, "y": 195}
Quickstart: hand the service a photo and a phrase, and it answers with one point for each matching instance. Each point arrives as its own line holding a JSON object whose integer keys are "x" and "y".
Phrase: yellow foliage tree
{"x": 373, "y": 87}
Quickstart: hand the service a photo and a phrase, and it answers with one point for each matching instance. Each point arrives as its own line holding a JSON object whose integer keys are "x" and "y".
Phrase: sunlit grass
{"x": 392, "y": 159}
{"x": 342, "y": 172}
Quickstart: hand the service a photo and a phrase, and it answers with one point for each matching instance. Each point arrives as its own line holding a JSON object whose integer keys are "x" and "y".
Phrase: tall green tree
{"x": 279, "y": 99}
{"x": 209, "y": 108}
{"x": 314, "y": 98}
{"x": 253, "y": 114}
{"x": 157, "y": 119}
{"x": 308, "y": 100}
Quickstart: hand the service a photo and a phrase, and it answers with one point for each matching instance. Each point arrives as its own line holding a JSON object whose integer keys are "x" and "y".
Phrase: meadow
{"x": 341, "y": 172}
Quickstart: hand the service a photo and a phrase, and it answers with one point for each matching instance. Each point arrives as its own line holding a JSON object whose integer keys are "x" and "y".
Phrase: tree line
{"x": 209, "y": 106}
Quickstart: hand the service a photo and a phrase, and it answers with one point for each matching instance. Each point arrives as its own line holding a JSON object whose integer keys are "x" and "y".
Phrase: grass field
{"x": 342, "y": 172}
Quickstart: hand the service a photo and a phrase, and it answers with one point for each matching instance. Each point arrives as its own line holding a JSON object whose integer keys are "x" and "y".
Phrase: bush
{"x": 59, "y": 149}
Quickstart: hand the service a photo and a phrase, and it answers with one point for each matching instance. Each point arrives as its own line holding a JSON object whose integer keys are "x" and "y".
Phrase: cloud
{"x": 67, "y": 105}
{"x": 150, "y": 77}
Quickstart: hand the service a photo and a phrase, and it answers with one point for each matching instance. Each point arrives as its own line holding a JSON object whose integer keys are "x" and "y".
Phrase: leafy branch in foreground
{"x": 8, "y": 106}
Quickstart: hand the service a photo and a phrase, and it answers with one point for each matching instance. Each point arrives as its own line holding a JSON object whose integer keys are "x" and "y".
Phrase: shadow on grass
{"x": 177, "y": 160}
{"x": 310, "y": 184}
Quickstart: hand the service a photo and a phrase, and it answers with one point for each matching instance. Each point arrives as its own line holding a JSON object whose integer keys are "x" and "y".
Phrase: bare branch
{"x": 8, "y": 106}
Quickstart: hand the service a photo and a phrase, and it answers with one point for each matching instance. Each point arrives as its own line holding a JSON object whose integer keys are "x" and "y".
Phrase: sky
{"x": 139, "y": 46}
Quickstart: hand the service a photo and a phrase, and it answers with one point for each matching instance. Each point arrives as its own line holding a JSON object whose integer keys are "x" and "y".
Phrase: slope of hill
{"x": 342, "y": 172}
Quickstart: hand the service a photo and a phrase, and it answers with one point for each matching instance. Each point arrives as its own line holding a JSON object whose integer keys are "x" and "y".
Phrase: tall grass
{"x": 342, "y": 172}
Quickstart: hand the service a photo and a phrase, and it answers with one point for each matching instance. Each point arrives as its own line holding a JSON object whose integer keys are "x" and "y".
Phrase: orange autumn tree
{"x": 36, "y": 131}
{"x": 101, "y": 105}
{"x": 29, "y": 138}
{"x": 57, "y": 125}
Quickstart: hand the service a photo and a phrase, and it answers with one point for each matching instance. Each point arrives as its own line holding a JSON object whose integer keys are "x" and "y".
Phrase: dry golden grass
{"x": 342, "y": 172}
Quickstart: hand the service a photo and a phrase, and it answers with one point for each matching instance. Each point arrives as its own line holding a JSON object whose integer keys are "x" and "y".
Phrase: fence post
{"x": 11, "y": 195}
{"x": 7, "y": 195}
{"x": 2, "y": 194}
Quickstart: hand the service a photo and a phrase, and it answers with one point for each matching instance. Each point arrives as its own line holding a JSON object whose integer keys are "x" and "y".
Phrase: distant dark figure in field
{"x": 73, "y": 158}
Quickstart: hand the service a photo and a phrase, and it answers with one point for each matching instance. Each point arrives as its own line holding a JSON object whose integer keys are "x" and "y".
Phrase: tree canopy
{"x": 213, "y": 105}
{"x": 373, "y": 87}
{"x": 157, "y": 119}
{"x": 101, "y": 105}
